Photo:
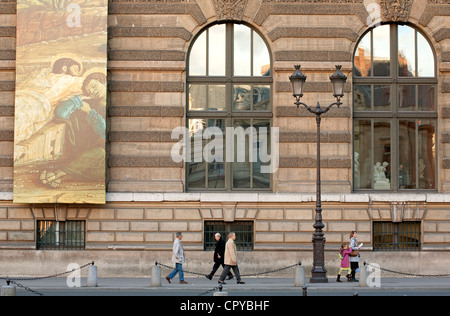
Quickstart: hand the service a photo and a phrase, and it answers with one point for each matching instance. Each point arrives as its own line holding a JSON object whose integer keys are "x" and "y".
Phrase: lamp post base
{"x": 318, "y": 275}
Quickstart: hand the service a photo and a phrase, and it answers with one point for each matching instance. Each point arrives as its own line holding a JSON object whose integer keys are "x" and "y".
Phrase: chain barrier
{"x": 242, "y": 275}
{"x": 212, "y": 290}
{"x": 410, "y": 274}
{"x": 13, "y": 280}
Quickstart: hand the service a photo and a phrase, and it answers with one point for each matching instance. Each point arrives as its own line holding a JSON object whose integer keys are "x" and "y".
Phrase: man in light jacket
{"x": 178, "y": 259}
{"x": 231, "y": 260}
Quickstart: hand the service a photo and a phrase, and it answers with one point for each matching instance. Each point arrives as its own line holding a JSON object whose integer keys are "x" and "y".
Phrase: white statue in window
{"x": 379, "y": 176}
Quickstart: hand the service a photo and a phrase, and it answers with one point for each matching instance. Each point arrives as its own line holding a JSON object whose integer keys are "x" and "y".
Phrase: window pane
{"x": 261, "y": 148}
{"x": 217, "y": 44}
{"x": 242, "y": 97}
{"x": 427, "y": 154}
{"x": 206, "y": 168}
{"x": 197, "y": 60}
{"x": 425, "y": 58}
{"x": 406, "y": 51}
{"x": 407, "y": 154}
{"x": 362, "y": 97}
{"x": 362, "y": 163}
{"x": 382, "y": 98}
{"x": 407, "y": 98}
{"x": 216, "y": 97}
{"x": 261, "y": 57}
{"x": 241, "y": 164}
{"x": 381, "y": 51}
{"x": 216, "y": 148}
{"x": 261, "y": 98}
{"x": 382, "y": 155}
{"x": 196, "y": 169}
{"x": 242, "y": 50}
{"x": 197, "y": 97}
{"x": 247, "y": 97}
{"x": 363, "y": 59}
{"x": 427, "y": 98}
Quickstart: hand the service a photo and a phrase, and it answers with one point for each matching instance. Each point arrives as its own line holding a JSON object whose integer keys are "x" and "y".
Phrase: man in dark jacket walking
{"x": 219, "y": 254}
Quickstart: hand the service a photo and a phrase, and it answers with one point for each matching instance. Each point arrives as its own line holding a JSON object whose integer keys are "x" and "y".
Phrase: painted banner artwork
{"x": 60, "y": 101}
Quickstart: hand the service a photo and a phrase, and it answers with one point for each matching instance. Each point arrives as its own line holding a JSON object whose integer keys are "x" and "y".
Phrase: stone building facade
{"x": 148, "y": 194}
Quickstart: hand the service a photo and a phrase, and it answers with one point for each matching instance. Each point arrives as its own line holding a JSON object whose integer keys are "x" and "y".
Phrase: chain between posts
{"x": 409, "y": 274}
{"x": 13, "y": 280}
{"x": 242, "y": 275}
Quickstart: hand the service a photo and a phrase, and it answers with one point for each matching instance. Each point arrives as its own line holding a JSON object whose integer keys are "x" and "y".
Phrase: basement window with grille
{"x": 55, "y": 235}
{"x": 403, "y": 236}
{"x": 242, "y": 229}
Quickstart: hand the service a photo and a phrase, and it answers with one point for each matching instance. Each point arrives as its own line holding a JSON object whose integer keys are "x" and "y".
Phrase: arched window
{"x": 229, "y": 87}
{"x": 394, "y": 110}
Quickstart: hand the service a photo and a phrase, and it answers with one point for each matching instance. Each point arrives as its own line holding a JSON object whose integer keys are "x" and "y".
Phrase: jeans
{"x": 178, "y": 269}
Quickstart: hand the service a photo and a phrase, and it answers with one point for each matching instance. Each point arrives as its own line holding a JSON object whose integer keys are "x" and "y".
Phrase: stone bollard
{"x": 8, "y": 290}
{"x": 155, "y": 281}
{"x": 363, "y": 276}
{"x": 92, "y": 279}
{"x": 220, "y": 292}
{"x": 299, "y": 280}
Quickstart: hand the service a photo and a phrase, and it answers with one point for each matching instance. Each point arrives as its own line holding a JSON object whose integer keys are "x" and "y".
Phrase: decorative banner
{"x": 60, "y": 101}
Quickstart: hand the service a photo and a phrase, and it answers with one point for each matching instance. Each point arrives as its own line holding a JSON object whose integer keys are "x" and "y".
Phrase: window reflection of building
{"x": 227, "y": 98}
{"x": 395, "y": 119}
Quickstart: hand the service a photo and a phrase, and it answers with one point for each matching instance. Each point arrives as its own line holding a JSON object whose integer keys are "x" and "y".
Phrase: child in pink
{"x": 345, "y": 252}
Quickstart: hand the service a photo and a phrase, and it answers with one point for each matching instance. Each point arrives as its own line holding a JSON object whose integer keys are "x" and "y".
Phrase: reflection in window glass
{"x": 248, "y": 97}
{"x": 362, "y": 160}
{"x": 261, "y": 147}
{"x": 241, "y": 165}
{"x": 242, "y": 50}
{"x": 372, "y": 155}
{"x": 406, "y": 51}
{"x": 197, "y": 60}
{"x": 382, "y": 98}
{"x": 197, "y": 97}
{"x": 407, "y": 98}
{"x": 427, "y": 98}
{"x": 242, "y": 97}
{"x": 363, "y": 61}
{"x": 382, "y": 155}
{"x": 251, "y": 153}
{"x": 217, "y": 50}
{"x": 407, "y": 154}
{"x": 394, "y": 140}
{"x": 381, "y": 51}
{"x": 207, "y": 168}
{"x": 362, "y": 97}
{"x": 425, "y": 58}
{"x": 426, "y": 150}
{"x": 261, "y": 58}
{"x": 224, "y": 94}
{"x": 216, "y": 97}
{"x": 261, "y": 98}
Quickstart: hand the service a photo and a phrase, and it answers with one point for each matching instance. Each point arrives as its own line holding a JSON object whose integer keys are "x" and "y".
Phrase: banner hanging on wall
{"x": 60, "y": 101}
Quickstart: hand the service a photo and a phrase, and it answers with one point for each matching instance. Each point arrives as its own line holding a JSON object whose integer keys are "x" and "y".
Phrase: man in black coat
{"x": 219, "y": 254}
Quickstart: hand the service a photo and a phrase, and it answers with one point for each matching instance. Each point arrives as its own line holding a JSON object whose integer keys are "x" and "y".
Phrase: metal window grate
{"x": 69, "y": 235}
{"x": 243, "y": 230}
{"x": 404, "y": 236}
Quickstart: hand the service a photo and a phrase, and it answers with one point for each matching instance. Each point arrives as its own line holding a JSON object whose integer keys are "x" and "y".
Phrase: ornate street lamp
{"x": 338, "y": 79}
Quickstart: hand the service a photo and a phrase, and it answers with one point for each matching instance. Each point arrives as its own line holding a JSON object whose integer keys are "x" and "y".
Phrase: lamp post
{"x": 298, "y": 79}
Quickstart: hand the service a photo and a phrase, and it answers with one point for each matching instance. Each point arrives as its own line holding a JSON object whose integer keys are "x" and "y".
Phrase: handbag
{"x": 354, "y": 253}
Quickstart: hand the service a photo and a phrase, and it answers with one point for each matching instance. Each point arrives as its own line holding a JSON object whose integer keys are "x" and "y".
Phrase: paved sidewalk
{"x": 251, "y": 283}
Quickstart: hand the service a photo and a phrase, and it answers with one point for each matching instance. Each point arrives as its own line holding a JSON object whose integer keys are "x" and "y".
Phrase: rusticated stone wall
{"x": 147, "y": 47}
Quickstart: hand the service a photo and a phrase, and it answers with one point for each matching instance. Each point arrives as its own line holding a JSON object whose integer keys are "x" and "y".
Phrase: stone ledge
{"x": 267, "y": 197}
